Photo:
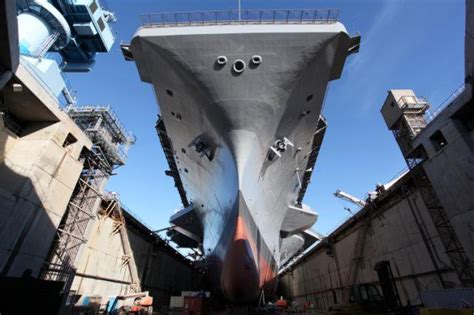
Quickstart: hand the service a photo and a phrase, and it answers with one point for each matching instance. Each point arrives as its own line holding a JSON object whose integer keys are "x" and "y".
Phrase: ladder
{"x": 46, "y": 45}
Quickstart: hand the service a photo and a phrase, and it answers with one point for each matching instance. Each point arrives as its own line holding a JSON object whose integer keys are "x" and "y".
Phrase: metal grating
{"x": 168, "y": 150}
{"x": 315, "y": 146}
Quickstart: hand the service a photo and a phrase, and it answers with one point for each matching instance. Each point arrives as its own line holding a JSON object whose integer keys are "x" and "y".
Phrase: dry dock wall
{"x": 113, "y": 263}
{"x": 41, "y": 159}
{"x": 39, "y": 169}
{"x": 450, "y": 167}
{"x": 162, "y": 270}
{"x": 400, "y": 232}
{"x": 401, "y": 229}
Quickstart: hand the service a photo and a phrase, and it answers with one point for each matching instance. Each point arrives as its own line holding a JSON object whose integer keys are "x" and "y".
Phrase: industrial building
{"x": 71, "y": 246}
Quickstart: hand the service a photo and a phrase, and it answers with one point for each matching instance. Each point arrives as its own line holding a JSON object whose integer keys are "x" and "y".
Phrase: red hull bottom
{"x": 246, "y": 269}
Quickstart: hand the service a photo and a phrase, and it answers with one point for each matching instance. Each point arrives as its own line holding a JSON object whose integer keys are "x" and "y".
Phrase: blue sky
{"x": 417, "y": 44}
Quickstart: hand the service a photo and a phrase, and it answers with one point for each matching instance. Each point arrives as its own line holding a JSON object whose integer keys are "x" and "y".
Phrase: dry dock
{"x": 69, "y": 246}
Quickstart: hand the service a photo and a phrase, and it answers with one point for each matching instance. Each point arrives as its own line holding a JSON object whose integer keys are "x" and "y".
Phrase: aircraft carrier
{"x": 241, "y": 95}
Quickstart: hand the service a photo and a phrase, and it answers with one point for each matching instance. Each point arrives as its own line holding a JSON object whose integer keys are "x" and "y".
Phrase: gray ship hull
{"x": 224, "y": 129}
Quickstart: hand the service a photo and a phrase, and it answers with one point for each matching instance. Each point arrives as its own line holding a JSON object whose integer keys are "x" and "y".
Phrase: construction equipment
{"x": 281, "y": 303}
{"x": 366, "y": 298}
{"x": 142, "y": 304}
{"x": 360, "y": 242}
{"x": 345, "y": 196}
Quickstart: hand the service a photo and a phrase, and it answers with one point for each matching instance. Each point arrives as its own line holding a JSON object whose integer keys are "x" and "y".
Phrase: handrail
{"x": 30, "y": 68}
{"x": 205, "y": 18}
{"x": 425, "y": 108}
{"x": 432, "y": 114}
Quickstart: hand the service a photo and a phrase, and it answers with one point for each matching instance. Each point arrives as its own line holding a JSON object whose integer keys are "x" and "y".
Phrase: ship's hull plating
{"x": 241, "y": 195}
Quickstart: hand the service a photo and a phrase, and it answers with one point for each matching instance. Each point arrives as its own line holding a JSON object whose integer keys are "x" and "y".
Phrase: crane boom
{"x": 350, "y": 198}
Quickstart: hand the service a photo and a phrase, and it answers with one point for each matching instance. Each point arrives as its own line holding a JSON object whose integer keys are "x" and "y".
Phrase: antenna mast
{"x": 238, "y": 1}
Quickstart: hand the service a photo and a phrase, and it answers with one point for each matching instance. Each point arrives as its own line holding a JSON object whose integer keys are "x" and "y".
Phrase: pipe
{"x": 83, "y": 275}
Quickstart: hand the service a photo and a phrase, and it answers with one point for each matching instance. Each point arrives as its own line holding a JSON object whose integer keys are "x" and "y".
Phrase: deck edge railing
{"x": 206, "y": 18}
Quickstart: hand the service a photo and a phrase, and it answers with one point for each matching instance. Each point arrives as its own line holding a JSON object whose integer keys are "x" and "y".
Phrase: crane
{"x": 343, "y": 195}
{"x": 360, "y": 240}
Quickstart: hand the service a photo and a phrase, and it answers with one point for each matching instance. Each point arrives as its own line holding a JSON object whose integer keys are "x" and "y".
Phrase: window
{"x": 437, "y": 140}
{"x": 84, "y": 154}
{"x": 363, "y": 293}
{"x": 374, "y": 293}
{"x": 93, "y": 7}
{"x": 417, "y": 156}
{"x": 70, "y": 139}
{"x": 101, "y": 24}
{"x": 465, "y": 115}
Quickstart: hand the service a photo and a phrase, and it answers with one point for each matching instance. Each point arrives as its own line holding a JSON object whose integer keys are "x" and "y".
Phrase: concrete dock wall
{"x": 450, "y": 168}
{"x": 400, "y": 232}
{"x": 38, "y": 172}
{"x": 162, "y": 271}
{"x": 104, "y": 268}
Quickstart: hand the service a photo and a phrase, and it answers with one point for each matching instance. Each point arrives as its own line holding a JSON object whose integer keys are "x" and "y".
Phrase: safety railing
{"x": 31, "y": 70}
{"x": 68, "y": 93}
{"x": 433, "y": 113}
{"x": 413, "y": 102}
{"x": 203, "y": 18}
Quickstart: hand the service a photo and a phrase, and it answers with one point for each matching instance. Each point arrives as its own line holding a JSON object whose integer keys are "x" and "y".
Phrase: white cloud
{"x": 382, "y": 19}
{"x": 372, "y": 61}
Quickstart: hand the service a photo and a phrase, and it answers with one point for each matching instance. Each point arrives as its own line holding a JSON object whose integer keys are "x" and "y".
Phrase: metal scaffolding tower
{"x": 109, "y": 150}
{"x": 82, "y": 207}
{"x": 110, "y": 139}
{"x": 113, "y": 209}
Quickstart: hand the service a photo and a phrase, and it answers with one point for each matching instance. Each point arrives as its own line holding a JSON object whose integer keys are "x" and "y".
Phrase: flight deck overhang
{"x": 146, "y": 36}
{"x": 145, "y": 31}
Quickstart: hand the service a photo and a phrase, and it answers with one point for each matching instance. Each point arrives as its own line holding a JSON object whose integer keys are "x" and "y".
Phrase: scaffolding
{"x": 110, "y": 143}
{"x": 102, "y": 126}
{"x": 411, "y": 122}
{"x": 71, "y": 233}
{"x": 112, "y": 209}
